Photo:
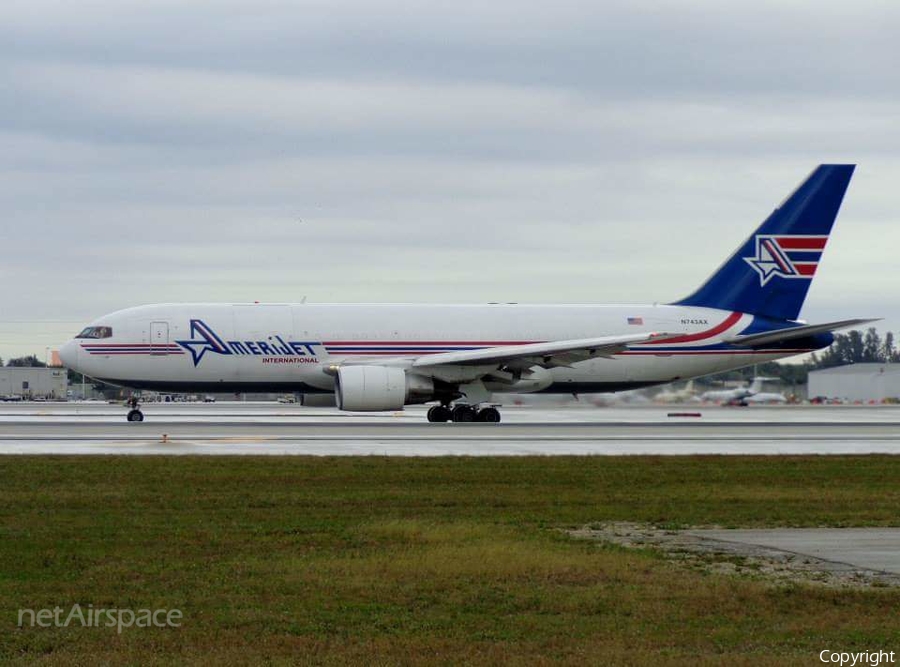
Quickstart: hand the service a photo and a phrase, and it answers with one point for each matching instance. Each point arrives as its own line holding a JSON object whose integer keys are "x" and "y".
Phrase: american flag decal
{"x": 786, "y": 256}
{"x": 636, "y": 320}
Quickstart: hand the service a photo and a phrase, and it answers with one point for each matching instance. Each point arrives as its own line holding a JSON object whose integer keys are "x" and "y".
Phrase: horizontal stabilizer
{"x": 768, "y": 337}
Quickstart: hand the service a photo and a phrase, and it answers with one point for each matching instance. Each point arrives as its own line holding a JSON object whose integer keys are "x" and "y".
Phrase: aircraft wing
{"x": 548, "y": 355}
{"x": 766, "y": 337}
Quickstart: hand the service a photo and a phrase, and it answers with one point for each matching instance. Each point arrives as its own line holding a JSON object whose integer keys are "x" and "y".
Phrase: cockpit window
{"x": 96, "y": 332}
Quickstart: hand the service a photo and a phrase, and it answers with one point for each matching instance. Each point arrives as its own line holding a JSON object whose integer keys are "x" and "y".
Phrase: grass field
{"x": 441, "y": 560}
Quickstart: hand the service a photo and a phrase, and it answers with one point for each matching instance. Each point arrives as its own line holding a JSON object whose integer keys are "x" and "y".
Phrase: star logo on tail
{"x": 786, "y": 257}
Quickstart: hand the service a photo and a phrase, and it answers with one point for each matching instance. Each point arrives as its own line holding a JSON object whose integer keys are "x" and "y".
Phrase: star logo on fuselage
{"x": 208, "y": 342}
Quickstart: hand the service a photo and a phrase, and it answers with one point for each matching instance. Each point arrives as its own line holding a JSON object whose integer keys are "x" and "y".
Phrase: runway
{"x": 276, "y": 429}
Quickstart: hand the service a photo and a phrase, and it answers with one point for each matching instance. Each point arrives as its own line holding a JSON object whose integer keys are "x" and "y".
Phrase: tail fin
{"x": 771, "y": 272}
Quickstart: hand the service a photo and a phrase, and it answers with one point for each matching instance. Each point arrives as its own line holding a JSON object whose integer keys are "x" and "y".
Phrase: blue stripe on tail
{"x": 770, "y": 273}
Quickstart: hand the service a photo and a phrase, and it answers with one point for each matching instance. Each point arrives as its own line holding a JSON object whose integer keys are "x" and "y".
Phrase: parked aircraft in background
{"x": 765, "y": 398}
{"x": 742, "y": 395}
{"x": 382, "y": 357}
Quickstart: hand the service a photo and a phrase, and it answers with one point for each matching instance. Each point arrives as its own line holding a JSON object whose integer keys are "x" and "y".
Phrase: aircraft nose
{"x": 68, "y": 354}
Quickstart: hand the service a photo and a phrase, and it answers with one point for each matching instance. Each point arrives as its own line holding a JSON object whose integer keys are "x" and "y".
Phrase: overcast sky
{"x": 430, "y": 152}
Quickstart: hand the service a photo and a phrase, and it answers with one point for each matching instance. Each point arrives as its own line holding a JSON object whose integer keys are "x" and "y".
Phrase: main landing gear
{"x": 463, "y": 413}
{"x": 134, "y": 414}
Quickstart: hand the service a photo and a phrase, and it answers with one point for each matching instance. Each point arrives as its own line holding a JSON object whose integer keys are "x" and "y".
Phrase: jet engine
{"x": 372, "y": 388}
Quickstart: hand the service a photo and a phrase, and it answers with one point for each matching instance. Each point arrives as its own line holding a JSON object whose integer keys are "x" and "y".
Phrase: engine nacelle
{"x": 372, "y": 388}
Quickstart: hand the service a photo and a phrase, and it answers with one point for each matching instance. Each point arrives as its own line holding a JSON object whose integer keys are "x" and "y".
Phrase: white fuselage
{"x": 284, "y": 347}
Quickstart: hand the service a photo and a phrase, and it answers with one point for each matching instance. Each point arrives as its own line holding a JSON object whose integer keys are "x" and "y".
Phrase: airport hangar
{"x": 856, "y": 382}
{"x": 33, "y": 382}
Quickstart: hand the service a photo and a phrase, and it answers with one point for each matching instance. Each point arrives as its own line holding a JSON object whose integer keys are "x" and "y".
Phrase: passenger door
{"x": 159, "y": 338}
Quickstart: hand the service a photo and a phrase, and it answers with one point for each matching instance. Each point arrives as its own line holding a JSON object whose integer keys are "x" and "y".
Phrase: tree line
{"x": 30, "y": 361}
{"x": 856, "y": 347}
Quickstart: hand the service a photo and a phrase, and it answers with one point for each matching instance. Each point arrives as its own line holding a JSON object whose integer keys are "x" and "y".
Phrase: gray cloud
{"x": 594, "y": 152}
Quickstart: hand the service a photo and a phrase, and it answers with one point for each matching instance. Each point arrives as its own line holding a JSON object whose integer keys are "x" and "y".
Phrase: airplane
{"x": 765, "y": 398}
{"x": 381, "y": 357}
{"x": 738, "y": 394}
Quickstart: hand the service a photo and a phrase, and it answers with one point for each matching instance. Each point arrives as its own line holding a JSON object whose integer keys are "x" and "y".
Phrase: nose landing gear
{"x": 464, "y": 413}
{"x": 134, "y": 414}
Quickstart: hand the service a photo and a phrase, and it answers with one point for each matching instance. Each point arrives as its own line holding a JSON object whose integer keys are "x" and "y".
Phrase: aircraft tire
{"x": 439, "y": 413}
{"x": 490, "y": 415}
{"x": 463, "y": 414}
{"x": 135, "y": 416}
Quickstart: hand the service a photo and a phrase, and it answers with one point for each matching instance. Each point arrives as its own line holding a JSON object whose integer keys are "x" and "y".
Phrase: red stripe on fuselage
{"x": 726, "y": 324}
{"x": 722, "y": 353}
{"x": 86, "y": 345}
{"x": 384, "y": 353}
{"x": 145, "y": 353}
{"x": 358, "y": 343}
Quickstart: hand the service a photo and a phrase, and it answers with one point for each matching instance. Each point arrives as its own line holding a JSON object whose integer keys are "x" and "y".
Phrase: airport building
{"x": 28, "y": 383}
{"x": 856, "y": 382}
